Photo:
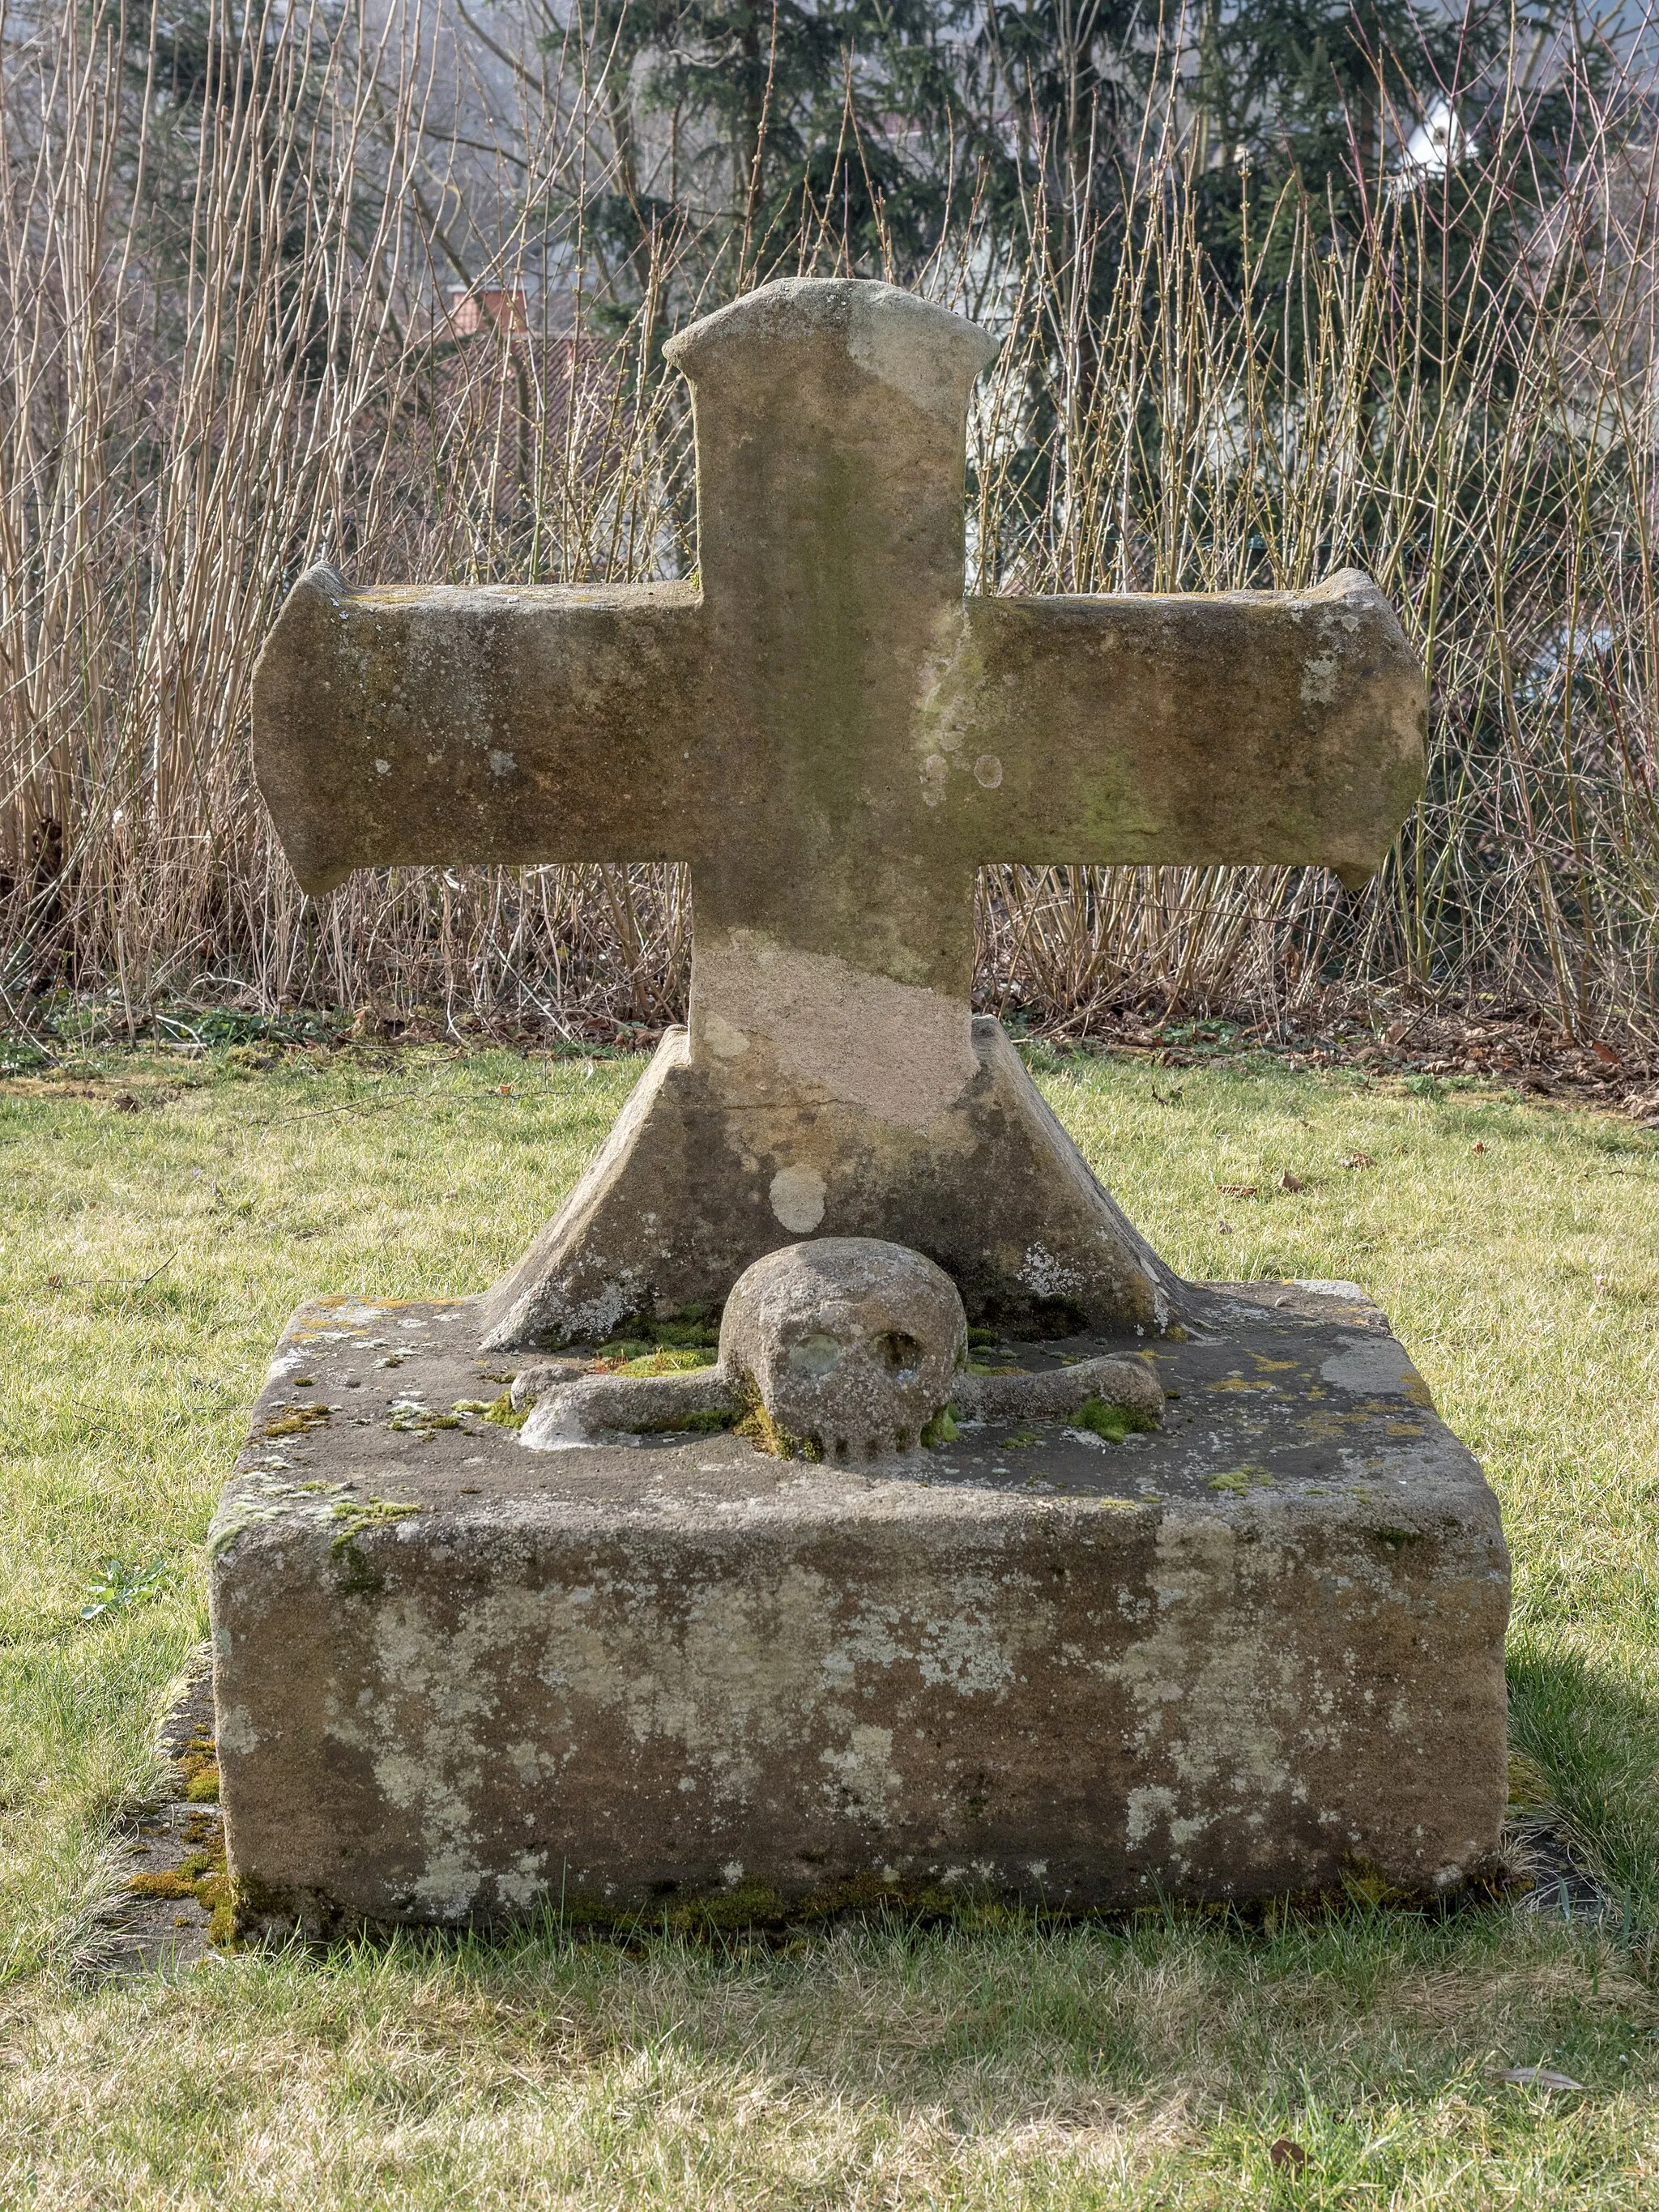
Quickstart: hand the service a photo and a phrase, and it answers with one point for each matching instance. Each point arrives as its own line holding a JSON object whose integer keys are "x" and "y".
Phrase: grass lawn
{"x": 147, "y": 1259}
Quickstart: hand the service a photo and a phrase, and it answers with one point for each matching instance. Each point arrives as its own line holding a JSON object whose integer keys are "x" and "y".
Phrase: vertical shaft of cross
{"x": 829, "y": 431}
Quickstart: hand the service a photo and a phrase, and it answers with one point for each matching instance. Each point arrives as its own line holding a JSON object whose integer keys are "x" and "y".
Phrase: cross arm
{"x": 498, "y": 724}
{"x": 1250, "y": 727}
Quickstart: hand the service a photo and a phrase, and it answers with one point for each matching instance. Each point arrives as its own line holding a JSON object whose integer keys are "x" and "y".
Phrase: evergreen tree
{"x": 1364, "y": 107}
{"x": 780, "y": 118}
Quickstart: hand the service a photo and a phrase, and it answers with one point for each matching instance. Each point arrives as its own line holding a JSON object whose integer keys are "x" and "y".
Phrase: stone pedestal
{"x": 905, "y": 1118}
{"x": 458, "y": 1681}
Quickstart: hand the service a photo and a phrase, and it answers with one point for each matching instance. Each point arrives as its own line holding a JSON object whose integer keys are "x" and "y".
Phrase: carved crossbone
{"x": 850, "y": 1348}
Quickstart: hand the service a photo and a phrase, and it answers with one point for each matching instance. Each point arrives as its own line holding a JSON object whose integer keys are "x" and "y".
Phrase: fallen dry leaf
{"x": 1224, "y": 1228}
{"x": 1360, "y": 1160}
{"x": 1237, "y": 1189}
{"x": 1538, "y": 2077}
{"x": 1290, "y": 1183}
{"x": 1604, "y": 1053}
{"x": 1289, "y": 2157}
{"x": 1480, "y": 1144}
{"x": 1396, "y": 1033}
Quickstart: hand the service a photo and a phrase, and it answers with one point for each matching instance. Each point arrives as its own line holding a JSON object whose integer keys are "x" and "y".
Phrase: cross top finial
{"x": 917, "y": 348}
{"x": 831, "y": 416}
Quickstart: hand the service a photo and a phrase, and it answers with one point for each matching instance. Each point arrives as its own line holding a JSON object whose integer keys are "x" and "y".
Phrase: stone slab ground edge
{"x": 457, "y": 1680}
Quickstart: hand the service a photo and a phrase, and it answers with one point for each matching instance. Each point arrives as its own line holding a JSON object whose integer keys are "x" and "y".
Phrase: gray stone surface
{"x": 457, "y": 1680}
{"x": 835, "y": 740}
{"x": 706, "y": 1169}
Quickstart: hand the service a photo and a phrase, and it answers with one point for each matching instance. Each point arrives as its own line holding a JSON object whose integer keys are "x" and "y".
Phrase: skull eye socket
{"x": 899, "y": 1353}
{"x": 815, "y": 1355}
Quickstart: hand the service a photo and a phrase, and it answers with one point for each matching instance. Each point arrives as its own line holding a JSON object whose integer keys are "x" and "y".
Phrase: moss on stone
{"x": 694, "y": 1328}
{"x": 356, "y": 1515}
{"x": 203, "y": 1878}
{"x": 666, "y": 1360}
{"x": 296, "y": 1419}
{"x": 1114, "y": 1423}
{"x": 1241, "y": 1480}
{"x": 166, "y": 1882}
{"x": 941, "y": 1430}
{"x": 199, "y": 1769}
{"x": 757, "y": 1906}
{"x": 756, "y": 1424}
{"x": 410, "y": 1420}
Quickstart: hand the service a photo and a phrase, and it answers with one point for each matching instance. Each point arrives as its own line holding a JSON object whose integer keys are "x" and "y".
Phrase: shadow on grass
{"x": 1593, "y": 1732}
{"x": 1007, "y": 2021}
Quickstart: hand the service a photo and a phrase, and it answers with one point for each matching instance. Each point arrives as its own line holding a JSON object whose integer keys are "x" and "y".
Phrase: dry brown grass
{"x": 219, "y": 359}
{"x": 991, "y": 2067}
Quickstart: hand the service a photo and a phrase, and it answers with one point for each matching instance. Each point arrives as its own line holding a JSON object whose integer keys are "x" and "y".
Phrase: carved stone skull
{"x": 853, "y": 1344}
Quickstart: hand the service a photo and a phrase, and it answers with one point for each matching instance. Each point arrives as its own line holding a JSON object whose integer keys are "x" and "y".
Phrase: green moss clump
{"x": 198, "y": 1767}
{"x": 296, "y": 1420}
{"x": 168, "y": 1883}
{"x": 1241, "y": 1480}
{"x": 203, "y": 1878}
{"x": 757, "y": 1426}
{"x": 748, "y": 1904}
{"x": 697, "y": 1328}
{"x": 665, "y": 1360}
{"x": 941, "y": 1430}
{"x": 1364, "y": 1885}
{"x": 503, "y": 1412}
{"x": 1112, "y": 1422}
{"x": 219, "y": 1896}
{"x": 409, "y": 1420}
{"x": 358, "y": 1515}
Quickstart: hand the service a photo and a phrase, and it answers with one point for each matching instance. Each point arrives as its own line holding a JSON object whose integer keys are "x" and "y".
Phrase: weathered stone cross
{"x": 836, "y": 741}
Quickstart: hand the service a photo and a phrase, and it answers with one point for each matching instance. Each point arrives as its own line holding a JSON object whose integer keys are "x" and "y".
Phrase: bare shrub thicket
{"x": 224, "y": 352}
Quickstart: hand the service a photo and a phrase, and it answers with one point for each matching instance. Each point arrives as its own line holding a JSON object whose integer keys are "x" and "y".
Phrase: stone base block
{"x": 457, "y": 1680}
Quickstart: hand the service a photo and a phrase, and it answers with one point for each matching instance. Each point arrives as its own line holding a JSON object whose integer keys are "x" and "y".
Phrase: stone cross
{"x": 835, "y": 740}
